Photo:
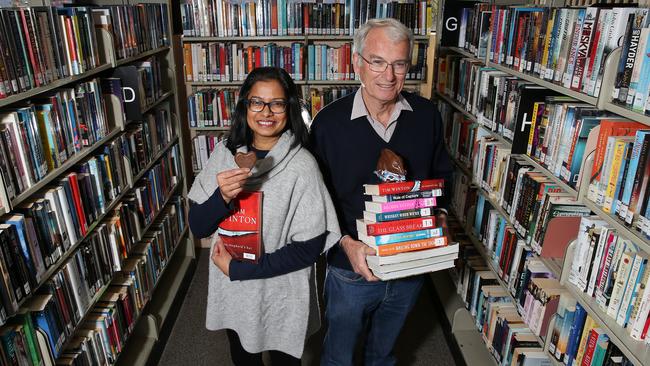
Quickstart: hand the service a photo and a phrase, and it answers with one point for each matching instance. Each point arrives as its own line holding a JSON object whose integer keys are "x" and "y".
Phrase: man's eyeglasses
{"x": 378, "y": 65}
{"x": 275, "y": 106}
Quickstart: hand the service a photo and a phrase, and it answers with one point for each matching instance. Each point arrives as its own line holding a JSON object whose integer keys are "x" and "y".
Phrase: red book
{"x": 76, "y": 197}
{"x": 399, "y": 226}
{"x": 241, "y": 232}
{"x": 591, "y": 346}
{"x": 403, "y": 187}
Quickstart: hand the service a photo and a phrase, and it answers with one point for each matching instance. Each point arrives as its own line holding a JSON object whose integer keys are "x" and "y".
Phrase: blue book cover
{"x": 642, "y": 138}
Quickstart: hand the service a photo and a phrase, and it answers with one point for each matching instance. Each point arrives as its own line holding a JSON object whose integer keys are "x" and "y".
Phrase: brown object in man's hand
{"x": 390, "y": 161}
{"x": 245, "y": 160}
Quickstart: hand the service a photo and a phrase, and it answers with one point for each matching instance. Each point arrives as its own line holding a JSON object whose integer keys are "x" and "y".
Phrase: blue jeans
{"x": 351, "y": 303}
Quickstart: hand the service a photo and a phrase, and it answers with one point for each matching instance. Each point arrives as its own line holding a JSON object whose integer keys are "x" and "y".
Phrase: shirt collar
{"x": 359, "y": 107}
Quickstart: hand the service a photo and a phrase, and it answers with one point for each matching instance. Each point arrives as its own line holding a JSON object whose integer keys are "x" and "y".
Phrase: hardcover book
{"x": 241, "y": 232}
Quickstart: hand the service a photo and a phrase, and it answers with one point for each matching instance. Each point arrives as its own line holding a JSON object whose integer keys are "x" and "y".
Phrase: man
{"x": 347, "y": 138}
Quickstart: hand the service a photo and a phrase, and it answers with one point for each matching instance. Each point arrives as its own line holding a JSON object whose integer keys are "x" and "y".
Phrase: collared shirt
{"x": 359, "y": 110}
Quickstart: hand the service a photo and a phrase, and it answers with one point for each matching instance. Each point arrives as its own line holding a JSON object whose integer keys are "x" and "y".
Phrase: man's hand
{"x": 221, "y": 258}
{"x": 441, "y": 221}
{"x": 231, "y": 182}
{"x": 357, "y": 252}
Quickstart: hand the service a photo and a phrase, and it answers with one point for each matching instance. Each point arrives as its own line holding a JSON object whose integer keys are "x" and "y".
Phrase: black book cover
{"x": 528, "y": 96}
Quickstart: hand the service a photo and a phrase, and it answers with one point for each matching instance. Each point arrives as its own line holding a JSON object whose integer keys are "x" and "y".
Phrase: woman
{"x": 271, "y": 305}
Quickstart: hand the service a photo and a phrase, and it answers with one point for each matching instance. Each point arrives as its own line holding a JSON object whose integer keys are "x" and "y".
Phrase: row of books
{"x": 43, "y": 229}
{"x": 150, "y": 194}
{"x": 563, "y": 45}
{"x": 146, "y": 139}
{"x": 222, "y": 18}
{"x": 40, "y": 137}
{"x": 223, "y": 62}
{"x": 460, "y": 134}
{"x": 51, "y": 330}
{"x": 212, "y": 107}
{"x": 135, "y": 28}
{"x": 567, "y": 46}
{"x": 43, "y": 44}
{"x": 213, "y": 61}
{"x": 613, "y": 271}
{"x": 399, "y": 224}
{"x": 202, "y": 147}
{"x": 619, "y": 178}
{"x": 577, "y": 339}
{"x": 144, "y": 80}
{"x": 557, "y": 138}
{"x": 317, "y": 98}
{"x": 507, "y": 336}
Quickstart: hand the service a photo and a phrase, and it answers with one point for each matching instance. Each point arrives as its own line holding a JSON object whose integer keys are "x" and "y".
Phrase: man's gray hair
{"x": 395, "y": 30}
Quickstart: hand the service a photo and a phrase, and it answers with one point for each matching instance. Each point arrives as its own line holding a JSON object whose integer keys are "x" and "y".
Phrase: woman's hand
{"x": 221, "y": 258}
{"x": 231, "y": 182}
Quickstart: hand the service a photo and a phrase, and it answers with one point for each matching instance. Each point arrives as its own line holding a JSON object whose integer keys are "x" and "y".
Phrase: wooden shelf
{"x": 463, "y": 52}
{"x": 155, "y": 160}
{"x": 211, "y": 128}
{"x": 155, "y": 287}
{"x": 456, "y": 105}
{"x": 627, "y": 113}
{"x": 55, "y": 267}
{"x": 72, "y": 161}
{"x": 533, "y": 79}
{"x": 572, "y": 191}
{"x": 481, "y": 249}
{"x": 195, "y": 39}
{"x": 157, "y": 101}
{"x": 142, "y": 55}
{"x": 172, "y": 191}
{"x": 288, "y": 38}
{"x": 53, "y": 85}
{"x": 635, "y": 351}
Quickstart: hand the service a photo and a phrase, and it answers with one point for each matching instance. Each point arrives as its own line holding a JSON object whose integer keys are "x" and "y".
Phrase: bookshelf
{"x": 115, "y": 236}
{"x": 302, "y": 26}
{"x": 635, "y": 351}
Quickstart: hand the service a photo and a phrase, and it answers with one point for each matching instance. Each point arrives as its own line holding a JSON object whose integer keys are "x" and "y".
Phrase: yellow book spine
{"x": 589, "y": 325}
{"x": 619, "y": 149}
{"x": 547, "y": 42}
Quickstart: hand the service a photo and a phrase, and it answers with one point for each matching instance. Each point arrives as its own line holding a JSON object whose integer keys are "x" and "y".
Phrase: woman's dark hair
{"x": 241, "y": 134}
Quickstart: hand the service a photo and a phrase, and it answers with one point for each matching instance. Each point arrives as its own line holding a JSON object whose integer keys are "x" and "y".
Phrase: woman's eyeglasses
{"x": 275, "y": 106}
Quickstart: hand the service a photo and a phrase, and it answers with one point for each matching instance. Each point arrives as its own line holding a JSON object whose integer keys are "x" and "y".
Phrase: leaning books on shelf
{"x": 614, "y": 273}
{"x": 577, "y": 339}
{"x": 497, "y": 315}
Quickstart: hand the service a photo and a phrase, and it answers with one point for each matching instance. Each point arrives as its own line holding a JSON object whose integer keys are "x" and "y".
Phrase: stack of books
{"x": 398, "y": 223}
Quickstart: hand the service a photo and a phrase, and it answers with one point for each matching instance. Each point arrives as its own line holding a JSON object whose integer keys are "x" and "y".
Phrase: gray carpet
{"x": 422, "y": 341}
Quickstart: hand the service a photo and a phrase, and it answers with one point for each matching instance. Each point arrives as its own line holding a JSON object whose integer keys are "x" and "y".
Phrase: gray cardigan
{"x": 277, "y": 313}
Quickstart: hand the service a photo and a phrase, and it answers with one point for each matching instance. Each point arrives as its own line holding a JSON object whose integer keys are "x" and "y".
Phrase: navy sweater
{"x": 347, "y": 151}
{"x": 204, "y": 219}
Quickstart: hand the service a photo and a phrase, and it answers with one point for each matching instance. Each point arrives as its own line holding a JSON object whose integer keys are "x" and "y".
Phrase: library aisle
{"x": 422, "y": 341}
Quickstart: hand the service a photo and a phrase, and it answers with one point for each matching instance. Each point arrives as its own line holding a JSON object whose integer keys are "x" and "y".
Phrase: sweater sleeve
{"x": 204, "y": 218}
{"x": 290, "y": 258}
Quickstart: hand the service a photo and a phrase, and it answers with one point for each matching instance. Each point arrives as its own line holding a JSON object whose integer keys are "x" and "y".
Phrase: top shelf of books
{"x": 591, "y": 68}
{"x": 329, "y": 20}
{"x": 44, "y": 48}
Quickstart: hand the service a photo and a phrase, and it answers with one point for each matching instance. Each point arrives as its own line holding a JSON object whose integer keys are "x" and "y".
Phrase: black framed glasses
{"x": 275, "y": 106}
{"x": 379, "y": 65}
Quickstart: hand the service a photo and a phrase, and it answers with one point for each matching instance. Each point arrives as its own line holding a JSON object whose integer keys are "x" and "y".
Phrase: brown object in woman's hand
{"x": 245, "y": 160}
